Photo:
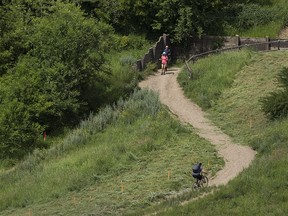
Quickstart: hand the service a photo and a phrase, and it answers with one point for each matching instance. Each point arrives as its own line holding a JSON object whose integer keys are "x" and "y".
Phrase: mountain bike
{"x": 200, "y": 183}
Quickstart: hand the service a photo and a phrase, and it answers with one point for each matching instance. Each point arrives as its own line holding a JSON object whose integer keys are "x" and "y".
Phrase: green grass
{"x": 270, "y": 30}
{"x": 211, "y": 77}
{"x": 123, "y": 166}
{"x": 277, "y": 9}
{"x": 117, "y": 162}
{"x": 262, "y": 189}
{"x": 112, "y": 164}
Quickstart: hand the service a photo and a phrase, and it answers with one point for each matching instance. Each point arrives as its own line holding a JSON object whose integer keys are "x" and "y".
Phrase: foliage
{"x": 275, "y": 104}
{"x": 179, "y": 18}
{"x": 13, "y": 35}
{"x": 183, "y": 19}
{"x": 128, "y": 42}
{"x": 252, "y": 15}
{"x": 52, "y": 83}
{"x": 256, "y": 18}
{"x": 15, "y": 23}
{"x": 58, "y": 65}
{"x": 108, "y": 11}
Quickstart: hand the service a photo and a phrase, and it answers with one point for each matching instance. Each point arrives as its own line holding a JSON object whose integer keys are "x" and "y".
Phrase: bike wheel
{"x": 195, "y": 186}
{"x": 204, "y": 181}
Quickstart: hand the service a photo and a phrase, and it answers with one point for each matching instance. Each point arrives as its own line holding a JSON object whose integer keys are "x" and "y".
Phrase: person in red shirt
{"x": 164, "y": 61}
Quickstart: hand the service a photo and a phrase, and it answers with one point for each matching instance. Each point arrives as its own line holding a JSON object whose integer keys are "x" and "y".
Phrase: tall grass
{"x": 114, "y": 162}
{"x": 271, "y": 30}
{"x": 262, "y": 188}
{"x": 263, "y": 26}
{"x": 211, "y": 77}
{"x": 122, "y": 76}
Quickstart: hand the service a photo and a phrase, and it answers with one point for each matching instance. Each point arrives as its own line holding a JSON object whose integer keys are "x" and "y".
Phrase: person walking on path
{"x": 164, "y": 61}
{"x": 167, "y": 50}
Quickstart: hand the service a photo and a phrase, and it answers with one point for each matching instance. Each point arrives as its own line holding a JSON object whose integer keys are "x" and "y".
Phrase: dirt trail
{"x": 236, "y": 157}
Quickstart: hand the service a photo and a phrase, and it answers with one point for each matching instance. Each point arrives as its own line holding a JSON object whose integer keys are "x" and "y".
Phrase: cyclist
{"x": 164, "y": 61}
{"x": 197, "y": 170}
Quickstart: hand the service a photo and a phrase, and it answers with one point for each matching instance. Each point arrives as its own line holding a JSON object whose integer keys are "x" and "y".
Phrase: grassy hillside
{"x": 258, "y": 19}
{"x": 262, "y": 189}
{"x": 123, "y": 159}
{"x": 118, "y": 162}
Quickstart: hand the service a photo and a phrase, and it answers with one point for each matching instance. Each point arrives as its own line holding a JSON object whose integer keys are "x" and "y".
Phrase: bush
{"x": 130, "y": 42}
{"x": 127, "y": 60}
{"x": 56, "y": 81}
{"x": 253, "y": 15}
{"x": 275, "y": 105}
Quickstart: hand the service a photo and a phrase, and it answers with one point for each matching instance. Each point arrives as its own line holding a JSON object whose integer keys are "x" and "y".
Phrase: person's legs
{"x": 197, "y": 177}
{"x": 166, "y": 67}
{"x": 163, "y": 69}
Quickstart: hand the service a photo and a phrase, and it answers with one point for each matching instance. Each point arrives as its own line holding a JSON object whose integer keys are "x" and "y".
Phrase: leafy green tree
{"x": 189, "y": 18}
{"x": 126, "y": 16}
{"x": 70, "y": 50}
{"x": 15, "y": 22}
{"x": 13, "y": 34}
{"x": 20, "y": 107}
{"x": 60, "y": 78}
{"x": 109, "y": 11}
{"x": 180, "y": 18}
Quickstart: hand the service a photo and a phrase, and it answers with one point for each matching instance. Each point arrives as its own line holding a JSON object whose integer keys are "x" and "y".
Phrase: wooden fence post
{"x": 268, "y": 46}
{"x": 189, "y": 70}
{"x": 237, "y": 41}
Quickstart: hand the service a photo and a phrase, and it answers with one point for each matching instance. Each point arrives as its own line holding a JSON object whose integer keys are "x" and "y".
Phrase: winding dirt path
{"x": 236, "y": 157}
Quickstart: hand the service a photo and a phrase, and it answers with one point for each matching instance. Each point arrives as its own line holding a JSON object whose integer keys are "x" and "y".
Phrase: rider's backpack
{"x": 196, "y": 168}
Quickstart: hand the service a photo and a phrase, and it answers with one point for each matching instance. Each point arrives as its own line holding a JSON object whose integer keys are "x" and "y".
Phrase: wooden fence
{"x": 199, "y": 47}
{"x": 154, "y": 53}
{"x": 263, "y": 46}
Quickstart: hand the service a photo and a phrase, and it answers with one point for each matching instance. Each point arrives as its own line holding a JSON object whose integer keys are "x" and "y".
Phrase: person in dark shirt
{"x": 167, "y": 51}
{"x": 197, "y": 170}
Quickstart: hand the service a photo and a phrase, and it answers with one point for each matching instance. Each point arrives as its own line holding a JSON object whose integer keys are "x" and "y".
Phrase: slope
{"x": 236, "y": 157}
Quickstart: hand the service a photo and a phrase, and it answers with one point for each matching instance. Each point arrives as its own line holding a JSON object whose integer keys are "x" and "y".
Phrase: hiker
{"x": 164, "y": 61}
{"x": 167, "y": 51}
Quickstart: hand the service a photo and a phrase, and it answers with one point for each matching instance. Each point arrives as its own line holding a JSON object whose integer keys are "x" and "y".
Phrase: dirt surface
{"x": 236, "y": 157}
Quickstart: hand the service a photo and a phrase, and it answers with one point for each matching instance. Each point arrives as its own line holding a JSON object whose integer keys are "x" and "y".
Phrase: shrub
{"x": 275, "y": 105}
{"x": 130, "y": 42}
{"x": 150, "y": 69}
{"x": 127, "y": 60}
{"x": 254, "y": 15}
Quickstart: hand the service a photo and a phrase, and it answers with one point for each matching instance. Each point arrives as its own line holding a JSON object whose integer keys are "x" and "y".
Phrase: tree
{"x": 179, "y": 18}
{"x": 13, "y": 35}
{"x": 15, "y": 21}
{"x": 70, "y": 50}
{"x": 18, "y": 129}
{"x": 60, "y": 78}
{"x": 183, "y": 18}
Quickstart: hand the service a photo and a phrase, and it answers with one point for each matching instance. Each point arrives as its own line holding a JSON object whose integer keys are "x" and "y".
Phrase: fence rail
{"x": 193, "y": 58}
